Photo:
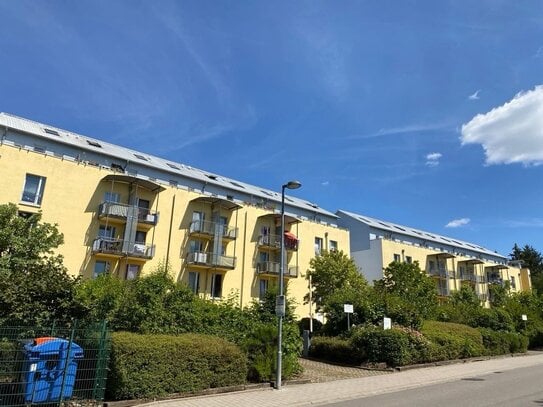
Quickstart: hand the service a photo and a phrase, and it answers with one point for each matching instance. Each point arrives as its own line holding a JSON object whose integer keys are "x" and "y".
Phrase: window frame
{"x": 38, "y": 193}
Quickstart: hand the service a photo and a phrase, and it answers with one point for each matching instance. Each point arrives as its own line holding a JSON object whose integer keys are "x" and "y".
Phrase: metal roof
{"x": 419, "y": 234}
{"x": 58, "y": 135}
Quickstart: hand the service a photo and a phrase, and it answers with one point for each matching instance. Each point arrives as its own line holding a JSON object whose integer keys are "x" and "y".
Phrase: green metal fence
{"x": 54, "y": 366}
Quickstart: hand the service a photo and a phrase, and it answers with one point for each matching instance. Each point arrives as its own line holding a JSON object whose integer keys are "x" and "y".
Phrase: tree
{"x": 409, "y": 295}
{"x": 533, "y": 260}
{"x": 333, "y": 272}
{"x": 36, "y": 288}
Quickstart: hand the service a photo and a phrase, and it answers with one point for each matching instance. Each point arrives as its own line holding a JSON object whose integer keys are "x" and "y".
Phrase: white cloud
{"x": 325, "y": 183}
{"x": 474, "y": 96}
{"x": 432, "y": 159}
{"x": 511, "y": 133}
{"x": 456, "y": 223}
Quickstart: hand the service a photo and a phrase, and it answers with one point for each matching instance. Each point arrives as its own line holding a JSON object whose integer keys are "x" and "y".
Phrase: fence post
{"x": 100, "y": 363}
{"x": 66, "y": 364}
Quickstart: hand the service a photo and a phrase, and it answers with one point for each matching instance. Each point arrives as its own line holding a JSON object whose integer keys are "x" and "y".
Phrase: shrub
{"x": 143, "y": 366}
{"x": 500, "y": 343}
{"x": 335, "y": 350}
{"x": 452, "y": 341}
{"x": 395, "y": 347}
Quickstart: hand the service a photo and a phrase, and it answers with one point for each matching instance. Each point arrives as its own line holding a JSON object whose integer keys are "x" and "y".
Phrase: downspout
{"x": 242, "y": 257}
{"x": 170, "y": 233}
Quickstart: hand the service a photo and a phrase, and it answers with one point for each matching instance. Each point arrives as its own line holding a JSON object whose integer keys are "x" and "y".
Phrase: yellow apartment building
{"x": 450, "y": 262}
{"x": 124, "y": 212}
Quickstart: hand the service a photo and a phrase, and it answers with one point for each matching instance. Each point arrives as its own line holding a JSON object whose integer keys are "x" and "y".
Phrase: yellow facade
{"x": 230, "y": 246}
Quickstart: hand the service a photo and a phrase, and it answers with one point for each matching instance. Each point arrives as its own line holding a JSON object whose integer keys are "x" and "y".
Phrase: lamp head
{"x": 293, "y": 185}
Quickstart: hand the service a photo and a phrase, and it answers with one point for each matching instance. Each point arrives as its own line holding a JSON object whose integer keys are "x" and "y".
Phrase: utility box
{"x": 49, "y": 369}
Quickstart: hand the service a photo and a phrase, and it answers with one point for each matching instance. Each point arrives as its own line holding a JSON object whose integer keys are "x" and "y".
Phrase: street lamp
{"x": 280, "y": 300}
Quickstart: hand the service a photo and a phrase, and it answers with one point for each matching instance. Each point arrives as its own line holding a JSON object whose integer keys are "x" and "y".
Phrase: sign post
{"x": 348, "y": 309}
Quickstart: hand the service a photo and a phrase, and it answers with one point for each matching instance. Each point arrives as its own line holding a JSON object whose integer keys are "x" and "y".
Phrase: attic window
{"x": 312, "y": 205}
{"x": 175, "y": 167}
{"x": 173, "y": 183}
{"x": 50, "y": 131}
{"x": 397, "y": 227}
{"x": 384, "y": 224}
{"x": 210, "y": 176}
{"x": 230, "y": 197}
{"x": 288, "y": 199}
{"x": 38, "y": 148}
{"x": 94, "y": 143}
{"x": 141, "y": 157}
{"x": 266, "y": 192}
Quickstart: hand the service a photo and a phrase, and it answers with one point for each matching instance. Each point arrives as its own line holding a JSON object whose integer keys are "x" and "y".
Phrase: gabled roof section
{"x": 82, "y": 142}
{"x": 419, "y": 234}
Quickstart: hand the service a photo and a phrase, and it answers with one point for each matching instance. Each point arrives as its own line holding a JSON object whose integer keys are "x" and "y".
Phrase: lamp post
{"x": 280, "y": 300}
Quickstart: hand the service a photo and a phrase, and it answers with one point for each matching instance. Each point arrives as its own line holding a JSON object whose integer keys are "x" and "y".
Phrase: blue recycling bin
{"x": 49, "y": 369}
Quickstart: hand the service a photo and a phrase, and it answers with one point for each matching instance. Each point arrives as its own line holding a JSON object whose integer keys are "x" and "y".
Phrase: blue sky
{"x": 423, "y": 113}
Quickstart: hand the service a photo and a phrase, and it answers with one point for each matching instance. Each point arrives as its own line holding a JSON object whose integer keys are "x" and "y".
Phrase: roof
{"x": 66, "y": 137}
{"x": 420, "y": 234}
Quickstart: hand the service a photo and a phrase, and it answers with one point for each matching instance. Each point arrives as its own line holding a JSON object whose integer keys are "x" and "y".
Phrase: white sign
{"x": 387, "y": 323}
{"x": 348, "y": 308}
{"x": 524, "y": 317}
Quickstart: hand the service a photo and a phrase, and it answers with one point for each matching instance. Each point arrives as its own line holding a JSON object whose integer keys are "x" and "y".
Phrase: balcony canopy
{"x": 289, "y": 219}
{"x": 291, "y": 236}
{"x": 499, "y": 267}
{"x": 445, "y": 255}
{"x": 472, "y": 261}
{"x": 130, "y": 179}
{"x": 215, "y": 201}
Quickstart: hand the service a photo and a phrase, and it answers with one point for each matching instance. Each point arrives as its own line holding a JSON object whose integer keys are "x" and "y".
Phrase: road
{"x": 518, "y": 387}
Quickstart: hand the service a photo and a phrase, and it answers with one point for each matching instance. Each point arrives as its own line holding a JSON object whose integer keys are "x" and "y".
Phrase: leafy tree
{"x": 36, "y": 288}
{"x": 533, "y": 260}
{"x": 409, "y": 295}
{"x": 333, "y": 272}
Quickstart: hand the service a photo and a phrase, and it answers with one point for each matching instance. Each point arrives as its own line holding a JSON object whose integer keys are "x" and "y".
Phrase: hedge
{"x": 335, "y": 350}
{"x": 452, "y": 341}
{"x": 500, "y": 343}
{"x": 145, "y": 366}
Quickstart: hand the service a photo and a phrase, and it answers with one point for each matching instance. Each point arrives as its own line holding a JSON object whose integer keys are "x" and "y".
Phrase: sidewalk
{"x": 320, "y": 393}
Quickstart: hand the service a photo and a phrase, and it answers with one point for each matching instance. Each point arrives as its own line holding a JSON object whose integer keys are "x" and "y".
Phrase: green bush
{"x": 501, "y": 343}
{"x": 8, "y": 361}
{"x": 452, "y": 341}
{"x": 395, "y": 347}
{"x": 335, "y": 350}
{"x": 144, "y": 366}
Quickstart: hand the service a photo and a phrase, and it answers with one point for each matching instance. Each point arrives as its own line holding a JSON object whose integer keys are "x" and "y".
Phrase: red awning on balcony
{"x": 290, "y": 236}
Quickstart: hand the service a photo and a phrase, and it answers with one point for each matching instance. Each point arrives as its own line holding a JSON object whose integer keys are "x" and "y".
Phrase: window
{"x": 50, "y": 131}
{"x": 100, "y": 267}
{"x": 132, "y": 271}
{"x": 216, "y": 286}
{"x": 408, "y": 259}
{"x": 33, "y": 189}
{"x": 194, "y": 281}
{"x": 175, "y": 167}
{"x": 397, "y": 257}
{"x": 197, "y": 224}
{"x": 333, "y": 246}
{"x": 263, "y": 288}
{"x": 196, "y": 246}
{"x": 432, "y": 265}
{"x": 318, "y": 245}
{"x": 94, "y": 143}
{"x": 140, "y": 237}
{"x": 141, "y": 157}
{"x": 513, "y": 283}
{"x": 107, "y": 232}
{"x": 112, "y": 197}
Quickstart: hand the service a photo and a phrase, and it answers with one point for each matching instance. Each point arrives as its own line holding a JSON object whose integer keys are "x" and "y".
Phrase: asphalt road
{"x": 518, "y": 387}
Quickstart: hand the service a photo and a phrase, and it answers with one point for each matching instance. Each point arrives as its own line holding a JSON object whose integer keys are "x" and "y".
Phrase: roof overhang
{"x": 216, "y": 201}
{"x": 130, "y": 179}
{"x": 446, "y": 255}
{"x": 499, "y": 266}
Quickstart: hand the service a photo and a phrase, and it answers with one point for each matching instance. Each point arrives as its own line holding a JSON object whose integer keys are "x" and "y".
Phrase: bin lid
{"x": 53, "y": 346}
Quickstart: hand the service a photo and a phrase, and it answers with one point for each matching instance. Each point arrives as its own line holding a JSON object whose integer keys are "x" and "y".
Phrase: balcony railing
{"x": 120, "y": 247}
{"x": 204, "y": 227}
{"x": 442, "y": 291}
{"x": 441, "y": 273}
{"x": 272, "y": 268}
{"x": 274, "y": 241}
{"x": 482, "y": 297}
{"x": 211, "y": 260}
{"x": 122, "y": 211}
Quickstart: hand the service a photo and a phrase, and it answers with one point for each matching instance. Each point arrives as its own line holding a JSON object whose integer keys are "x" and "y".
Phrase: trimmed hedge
{"x": 452, "y": 341}
{"x": 145, "y": 366}
{"x": 335, "y": 350}
{"x": 500, "y": 343}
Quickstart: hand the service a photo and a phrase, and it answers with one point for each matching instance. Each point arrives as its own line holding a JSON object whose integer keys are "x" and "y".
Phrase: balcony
{"x": 208, "y": 229}
{"x": 118, "y": 247}
{"x": 482, "y": 297}
{"x": 211, "y": 260}
{"x": 272, "y": 268}
{"x": 441, "y": 273}
{"x": 442, "y": 291}
{"x": 274, "y": 242}
{"x": 123, "y": 211}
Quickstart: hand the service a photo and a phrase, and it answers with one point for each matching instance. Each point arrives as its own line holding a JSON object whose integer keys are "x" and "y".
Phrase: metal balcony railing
{"x": 211, "y": 260}
{"x": 439, "y": 272}
{"x": 272, "y": 268}
{"x": 204, "y": 227}
{"x": 274, "y": 241}
{"x": 120, "y": 247}
{"x": 442, "y": 291}
{"x": 122, "y": 211}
